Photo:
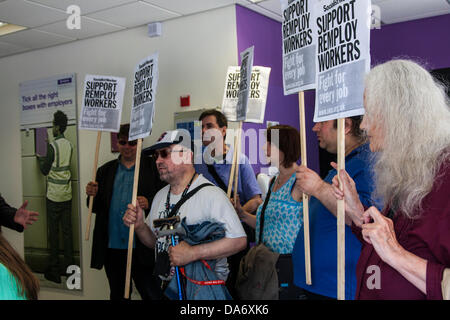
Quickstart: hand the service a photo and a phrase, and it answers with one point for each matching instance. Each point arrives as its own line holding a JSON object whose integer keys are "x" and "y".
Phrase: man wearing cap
{"x": 112, "y": 192}
{"x": 174, "y": 160}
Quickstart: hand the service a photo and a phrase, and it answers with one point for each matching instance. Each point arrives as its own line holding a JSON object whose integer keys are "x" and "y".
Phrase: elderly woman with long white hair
{"x": 406, "y": 246}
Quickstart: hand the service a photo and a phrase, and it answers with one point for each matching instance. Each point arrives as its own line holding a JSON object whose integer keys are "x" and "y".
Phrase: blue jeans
{"x": 197, "y": 234}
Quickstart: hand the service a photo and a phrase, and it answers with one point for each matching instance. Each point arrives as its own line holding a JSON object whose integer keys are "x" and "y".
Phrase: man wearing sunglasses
{"x": 174, "y": 160}
{"x": 112, "y": 192}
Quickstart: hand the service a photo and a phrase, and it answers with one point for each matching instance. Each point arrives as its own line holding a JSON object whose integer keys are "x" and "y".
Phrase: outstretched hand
{"x": 25, "y": 217}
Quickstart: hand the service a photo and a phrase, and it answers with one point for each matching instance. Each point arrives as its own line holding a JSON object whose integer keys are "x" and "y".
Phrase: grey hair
{"x": 412, "y": 110}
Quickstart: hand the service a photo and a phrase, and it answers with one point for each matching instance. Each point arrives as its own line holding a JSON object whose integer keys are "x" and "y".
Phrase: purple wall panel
{"x": 425, "y": 41}
{"x": 41, "y": 136}
{"x": 264, "y": 33}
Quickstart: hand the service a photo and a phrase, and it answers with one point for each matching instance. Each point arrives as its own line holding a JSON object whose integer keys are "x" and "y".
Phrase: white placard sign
{"x": 244, "y": 83}
{"x": 102, "y": 103}
{"x": 299, "y": 45}
{"x": 259, "y": 84}
{"x": 343, "y": 57}
{"x": 41, "y": 98}
{"x": 144, "y": 93}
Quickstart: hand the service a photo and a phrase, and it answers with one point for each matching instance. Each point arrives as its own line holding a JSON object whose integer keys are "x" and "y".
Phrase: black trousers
{"x": 148, "y": 285}
{"x": 285, "y": 272}
{"x": 59, "y": 214}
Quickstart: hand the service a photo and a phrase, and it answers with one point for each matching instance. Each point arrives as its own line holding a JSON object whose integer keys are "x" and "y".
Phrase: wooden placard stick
{"x": 341, "y": 213}
{"x": 131, "y": 234}
{"x": 91, "y": 198}
{"x": 233, "y": 166}
{"x": 301, "y": 108}
{"x": 238, "y": 152}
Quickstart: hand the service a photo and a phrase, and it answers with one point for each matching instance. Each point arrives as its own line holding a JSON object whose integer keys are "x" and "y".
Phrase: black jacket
{"x": 149, "y": 184}
{"x": 7, "y": 214}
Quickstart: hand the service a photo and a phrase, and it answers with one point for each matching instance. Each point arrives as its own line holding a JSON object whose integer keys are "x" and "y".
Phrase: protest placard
{"x": 102, "y": 103}
{"x": 259, "y": 84}
{"x": 141, "y": 121}
{"x": 144, "y": 93}
{"x": 244, "y": 83}
{"x": 342, "y": 28}
{"x": 299, "y": 74}
{"x": 299, "y": 46}
{"x": 343, "y": 58}
{"x": 101, "y": 110}
{"x": 245, "y": 74}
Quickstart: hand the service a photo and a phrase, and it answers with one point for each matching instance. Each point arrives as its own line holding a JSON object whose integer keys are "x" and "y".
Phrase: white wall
{"x": 194, "y": 53}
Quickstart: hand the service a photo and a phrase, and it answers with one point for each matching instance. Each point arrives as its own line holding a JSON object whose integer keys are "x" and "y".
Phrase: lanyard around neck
{"x": 184, "y": 193}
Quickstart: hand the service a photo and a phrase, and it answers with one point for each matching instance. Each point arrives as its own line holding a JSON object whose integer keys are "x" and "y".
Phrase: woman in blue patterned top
{"x": 17, "y": 282}
{"x": 283, "y": 214}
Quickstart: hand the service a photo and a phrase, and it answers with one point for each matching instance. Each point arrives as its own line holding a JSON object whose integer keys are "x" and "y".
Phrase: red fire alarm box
{"x": 185, "y": 101}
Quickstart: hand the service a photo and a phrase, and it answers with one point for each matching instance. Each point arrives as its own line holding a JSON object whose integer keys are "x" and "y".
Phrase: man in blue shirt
{"x": 112, "y": 193}
{"x": 216, "y": 166}
{"x": 248, "y": 188}
{"x": 323, "y": 210}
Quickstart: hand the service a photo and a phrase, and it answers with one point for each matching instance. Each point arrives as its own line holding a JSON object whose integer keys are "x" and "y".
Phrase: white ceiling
{"x": 46, "y": 19}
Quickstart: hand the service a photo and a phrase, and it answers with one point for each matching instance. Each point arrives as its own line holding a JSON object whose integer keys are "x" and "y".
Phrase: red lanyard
{"x": 203, "y": 283}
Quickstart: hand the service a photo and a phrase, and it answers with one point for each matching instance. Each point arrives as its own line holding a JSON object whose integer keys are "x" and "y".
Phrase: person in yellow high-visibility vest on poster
{"x": 56, "y": 166}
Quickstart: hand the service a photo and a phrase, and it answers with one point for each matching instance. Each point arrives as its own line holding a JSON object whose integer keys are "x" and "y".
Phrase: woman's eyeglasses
{"x": 130, "y": 143}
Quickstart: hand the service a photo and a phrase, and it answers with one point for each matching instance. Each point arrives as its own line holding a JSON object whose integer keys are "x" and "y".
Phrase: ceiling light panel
{"x": 190, "y": 6}
{"x": 86, "y": 6}
{"x": 133, "y": 14}
{"x": 29, "y": 14}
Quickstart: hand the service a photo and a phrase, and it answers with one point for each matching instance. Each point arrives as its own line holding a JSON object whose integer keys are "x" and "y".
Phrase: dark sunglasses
{"x": 164, "y": 153}
{"x": 130, "y": 143}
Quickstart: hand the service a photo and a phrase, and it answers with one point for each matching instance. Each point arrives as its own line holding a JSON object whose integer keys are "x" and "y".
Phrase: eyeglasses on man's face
{"x": 130, "y": 143}
{"x": 164, "y": 153}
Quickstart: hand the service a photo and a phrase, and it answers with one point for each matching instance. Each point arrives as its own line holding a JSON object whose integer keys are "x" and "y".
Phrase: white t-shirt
{"x": 208, "y": 204}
